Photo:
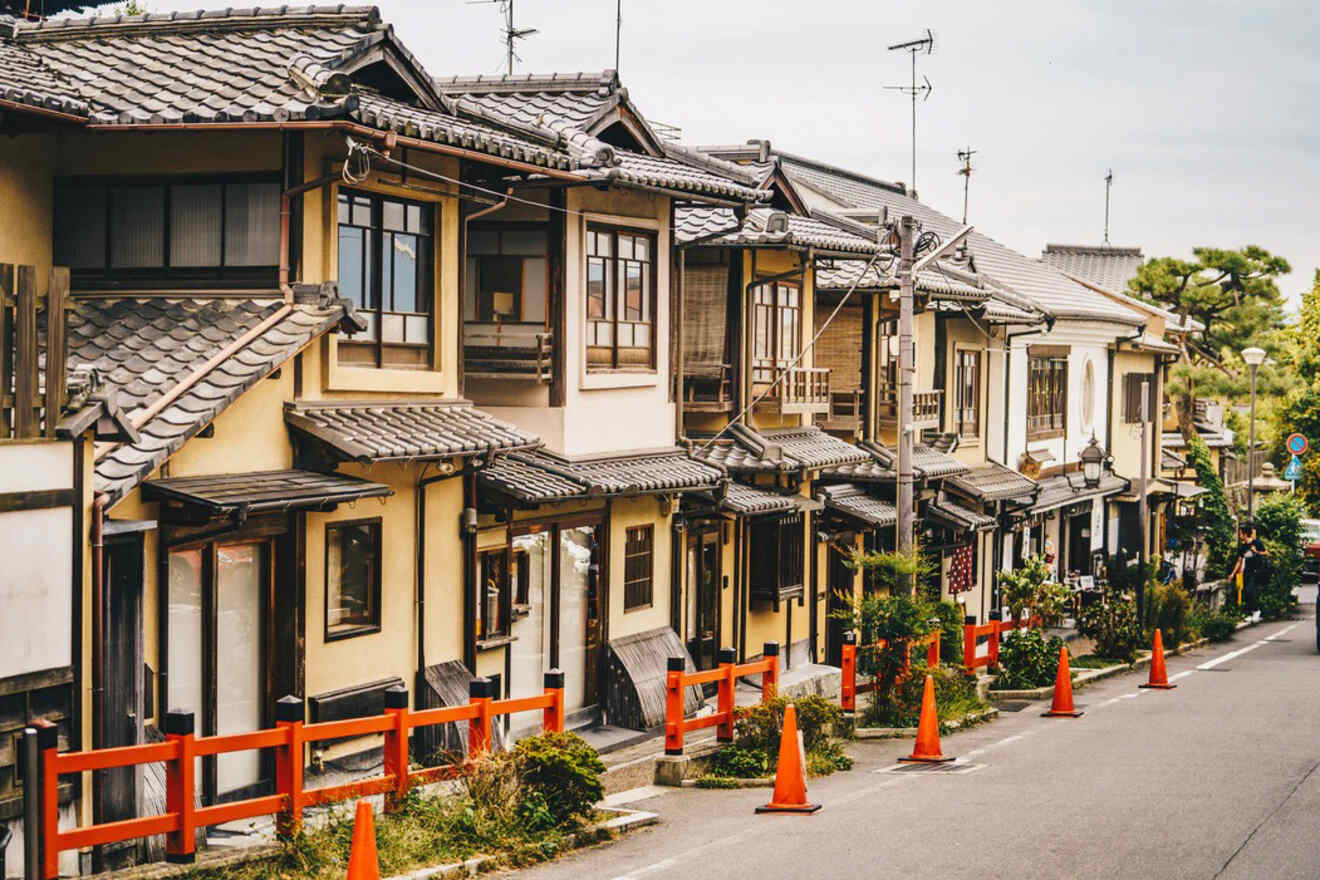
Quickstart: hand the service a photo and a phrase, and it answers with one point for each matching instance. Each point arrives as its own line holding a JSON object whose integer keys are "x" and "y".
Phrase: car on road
{"x": 1311, "y": 549}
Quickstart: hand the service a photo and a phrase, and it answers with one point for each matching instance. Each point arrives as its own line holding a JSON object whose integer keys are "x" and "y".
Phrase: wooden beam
{"x": 6, "y": 351}
{"x": 56, "y": 379}
{"x": 35, "y": 499}
{"x": 25, "y": 354}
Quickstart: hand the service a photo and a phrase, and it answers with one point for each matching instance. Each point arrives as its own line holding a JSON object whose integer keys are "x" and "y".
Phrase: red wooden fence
{"x": 180, "y": 749}
{"x": 993, "y": 629}
{"x": 726, "y": 674}
{"x": 848, "y": 665}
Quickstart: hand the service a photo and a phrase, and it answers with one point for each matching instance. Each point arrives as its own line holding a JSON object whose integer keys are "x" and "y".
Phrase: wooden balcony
{"x": 518, "y": 352}
{"x": 708, "y": 388}
{"x": 845, "y": 412}
{"x": 925, "y": 408}
{"x": 799, "y": 391}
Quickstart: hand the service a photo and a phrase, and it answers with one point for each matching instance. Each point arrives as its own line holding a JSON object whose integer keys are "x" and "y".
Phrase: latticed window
{"x": 777, "y": 555}
{"x": 1047, "y": 395}
{"x": 967, "y": 385}
{"x": 638, "y": 566}
{"x": 776, "y": 328}
{"x": 620, "y": 298}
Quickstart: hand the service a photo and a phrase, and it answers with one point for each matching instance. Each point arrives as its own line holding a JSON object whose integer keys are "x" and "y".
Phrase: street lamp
{"x": 1254, "y": 358}
{"x": 1093, "y": 459}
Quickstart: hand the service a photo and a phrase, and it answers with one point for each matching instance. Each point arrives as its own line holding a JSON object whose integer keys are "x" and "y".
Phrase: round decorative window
{"x": 1088, "y": 396}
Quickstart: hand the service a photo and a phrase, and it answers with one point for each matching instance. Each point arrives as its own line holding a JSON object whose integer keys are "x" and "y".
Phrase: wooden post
{"x": 848, "y": 673}
{"x": 479, "y": 727}
{"x": 674, "y": 705}
{"x": 396, "y": 747}
{"x": 6, "y": 349}
{"x": 969, "y": 642}
{"x": 56, "y": 378}
{"x": 48, "y": 741}
{"x": 933, "y": 650}
{"x": 724, "y": 702}
{"x": 553, "y": 720}
{"x": 25, "y": 354}
{"x": 180, "y": 785}
{"x": 289, "y": 715}
{"x": 770, "y": 678}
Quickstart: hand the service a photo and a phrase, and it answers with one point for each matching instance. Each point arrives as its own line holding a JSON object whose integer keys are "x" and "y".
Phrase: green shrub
{"x": 759, "y": 727}
{"x": 1110, "y": 620}
{"x": 1029, "y": 589}
{"x": 1219, "y": 626}
{"x": 1027, "y": 660}
{"x": 950, "y": 615}
{"x": 955, "y": 697}
{"x": 740, "y": 760}
{"x": 562, "y": 773}
{"x": 1168, "y": 608}
{"x": 1278, "y": 519}
{"x": 1212, "y": 511}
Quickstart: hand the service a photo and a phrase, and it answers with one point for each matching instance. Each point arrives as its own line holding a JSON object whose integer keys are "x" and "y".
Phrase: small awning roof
{"x": 262, "y": 491}
{"x": 994, "y": 482}
{"x": 856, "y": 502}
{"x": 777, "y": 450}
{"x": 1066, "y": 489}
{"x": 1188, "y": 490}
{"x": 751, "y": 501}
{"x": 539, "y": 477}
{"x": 404, "y": 430}
{"x": 954, "y": 514}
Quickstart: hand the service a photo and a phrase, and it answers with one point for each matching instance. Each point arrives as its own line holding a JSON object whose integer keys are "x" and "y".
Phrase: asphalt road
{"x": 1219, "y": 778}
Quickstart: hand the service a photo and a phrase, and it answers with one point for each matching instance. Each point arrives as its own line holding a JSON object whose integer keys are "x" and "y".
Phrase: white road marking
{"x": 1224, "y": 658}
{"x": 1182, "y": 674}
{"x": 649, "y": 869}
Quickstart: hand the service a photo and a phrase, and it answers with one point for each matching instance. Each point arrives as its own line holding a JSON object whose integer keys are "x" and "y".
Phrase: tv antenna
{"x": 965, "y": 157}
{"x": 1109, "y": 183}
{"x": 618, "y": 32}
{"x": 510, "y": 33}
{"x": 923, "y": 46}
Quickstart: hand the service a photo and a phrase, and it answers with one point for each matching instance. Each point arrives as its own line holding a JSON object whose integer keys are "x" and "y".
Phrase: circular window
{"x": 1088, "y": 396}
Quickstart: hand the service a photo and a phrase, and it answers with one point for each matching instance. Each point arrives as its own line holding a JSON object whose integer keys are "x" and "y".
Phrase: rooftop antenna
{"x": 965, "y": 157}
{"x": 618, "y": 32}
{"x": 511, "y": 34}
{"x": 923, "y": 46}
{"x": 1109, "y": 182}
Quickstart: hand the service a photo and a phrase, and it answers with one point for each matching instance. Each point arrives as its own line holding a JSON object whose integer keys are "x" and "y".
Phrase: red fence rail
{"x": 727, "y": 673}
{"x": 848, "y": 664}
{"x": 972, "y": 633}
{"x": 180, "y": 749}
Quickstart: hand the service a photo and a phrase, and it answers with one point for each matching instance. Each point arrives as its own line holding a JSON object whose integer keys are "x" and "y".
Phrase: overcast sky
{"x": 1205, "y": 111}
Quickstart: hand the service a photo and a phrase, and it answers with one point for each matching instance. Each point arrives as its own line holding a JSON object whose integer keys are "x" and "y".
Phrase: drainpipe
{"x": 420, "y": 519}
{"x": 99, "y": 501}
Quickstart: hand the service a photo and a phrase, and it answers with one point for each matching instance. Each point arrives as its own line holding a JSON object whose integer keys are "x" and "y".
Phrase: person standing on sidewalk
{"x": 1251, "y": 560}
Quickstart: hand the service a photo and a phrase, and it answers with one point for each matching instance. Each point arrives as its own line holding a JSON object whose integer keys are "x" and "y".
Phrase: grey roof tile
{"x": 994, "y": 482}
{"x": 750, "y": 501}
{"x": 537, "y": 477}
{"x": 1108, "y": 266}
{"x": 779, "y": 449}
{"x": 960, "y": 516}
{"x": 858, "y": 503}
{"x": 764, "y": 226}
{"x": 1067, "y": 488}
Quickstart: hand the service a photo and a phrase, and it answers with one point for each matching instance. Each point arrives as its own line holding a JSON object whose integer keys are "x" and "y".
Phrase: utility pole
{"x": 1143, "y": 505}
{"x": 965, "y": 156}
{"x": 908, "y": 268}
{"x": 914, "y": 48}
{"x": 1109, "y": 182}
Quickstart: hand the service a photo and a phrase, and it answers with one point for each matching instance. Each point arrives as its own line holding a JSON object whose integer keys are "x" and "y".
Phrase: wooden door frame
{"x": 697, "y": 537}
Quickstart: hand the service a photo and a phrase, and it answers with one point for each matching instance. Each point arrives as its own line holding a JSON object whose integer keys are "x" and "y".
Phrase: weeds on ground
{"x": 955, "y": 698}
{"x": 754, "y": 752}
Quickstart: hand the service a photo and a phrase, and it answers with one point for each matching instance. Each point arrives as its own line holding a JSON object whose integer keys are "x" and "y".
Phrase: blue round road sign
{"x": 1297, "y": 444}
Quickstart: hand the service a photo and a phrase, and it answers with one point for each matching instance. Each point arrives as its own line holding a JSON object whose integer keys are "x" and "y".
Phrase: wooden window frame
{"x": 375, "y": 587}
{"x": 505, "y": 595}
{"x": 373, "y": 283}
{"x": 165, "y": 277}
{"x": 765, "y": 364}
{"x": 963, "y": 360}
{"x": 1132, "y": 397}
{"x": 638, "y": 567}
{"x": 1047, "y": 395}
{"x": 615, "y": 297}
{"x": 779, "y": 574}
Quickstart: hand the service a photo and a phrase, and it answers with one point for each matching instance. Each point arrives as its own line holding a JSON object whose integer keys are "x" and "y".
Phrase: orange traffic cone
{"x": 928, "y": 731}
{"x": 790, "y": 775}
{"x": 363, "y": 863}
{"x": 1159, "y": 676}
{"x": 1063, "y": 701}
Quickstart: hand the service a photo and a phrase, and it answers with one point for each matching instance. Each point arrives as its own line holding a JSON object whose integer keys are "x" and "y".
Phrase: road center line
{"x": 1211, "y": 664}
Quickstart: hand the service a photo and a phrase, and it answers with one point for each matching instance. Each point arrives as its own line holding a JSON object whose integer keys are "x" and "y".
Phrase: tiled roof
{"x": 536, "y": 477}
{"x": 856, "y": 195}
{"x": 664, "y": 172}
{"x": 994, "y": 482}
{"x": 927, "y": 463}
{"x": 870, "y": 471}
{"x": 779, "y": 449}
{"x": 26, "y": 79}
{"x": 263, "y": 491}
{"x": 856, "y": 502}
{"x": 942, "y": 282}
{"x": 764, "y": 226}
{"x": 959, "y": 516}
{"x": 1108, "y": 266}
{"x": 403, "y": 430}
{"x": 748, "y": 500}
{"x": 1067, "y": 488}
{"x": 144, "y": 348}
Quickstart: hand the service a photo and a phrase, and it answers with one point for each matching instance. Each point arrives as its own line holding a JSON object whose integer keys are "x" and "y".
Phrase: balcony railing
{"x": 925, "y": 408}
{"x": 801, "y": 390}
{"x": 708, "y": 388}
{"x": 845, "y": 412}
{"x": 495, "y": 350}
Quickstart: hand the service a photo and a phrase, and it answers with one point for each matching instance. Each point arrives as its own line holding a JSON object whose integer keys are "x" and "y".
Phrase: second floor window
{"x": 1047, "y": 395}
{"x": 1132, "y": 397}
{"x": 620, "y": 299}
{"x": 967, "y": 386}
{"x": 777, "y": 553}
{"x": 386, "y": 254}
{"x": 776, "y": 328}
{"x": 168, "y": 232}
{"x": 507, "y": 275}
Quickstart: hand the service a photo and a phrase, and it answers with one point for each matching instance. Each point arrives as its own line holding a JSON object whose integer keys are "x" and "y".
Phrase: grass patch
{"x": 955, "y": 699}
{"x": 754, "y": 752}
{"x": 1094, "y": 661}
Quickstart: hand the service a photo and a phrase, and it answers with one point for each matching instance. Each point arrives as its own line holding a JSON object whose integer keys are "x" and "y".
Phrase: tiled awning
{"x": 262, "y": 491}
{"x": 994, "y": 482}
{"x": 857, "y": 503}
{"x": 778, "y": 450}
{"x": 539, "y": 477}
{"x": 404, "y": 430}
{"x": 1066, "y": 489}
{"x": 928, "y": 463}
{"x": 960, "y": 517}
{"x": 750, "y": 501}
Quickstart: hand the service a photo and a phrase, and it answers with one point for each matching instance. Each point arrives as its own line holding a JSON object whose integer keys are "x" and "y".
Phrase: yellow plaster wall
{"x": 962, "y": 336}
{"x": 26, "y": 197}
{"x": 249, "y": 435}
{"x": 1125, "y": 438}
{"x": 624, "y": 514}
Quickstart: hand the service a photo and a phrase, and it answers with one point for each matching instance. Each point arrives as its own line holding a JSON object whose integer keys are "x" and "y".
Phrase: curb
{"x": 733, "y": 782}
{"x": 628, "y": 820}
{"x": 902, "y": 732}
